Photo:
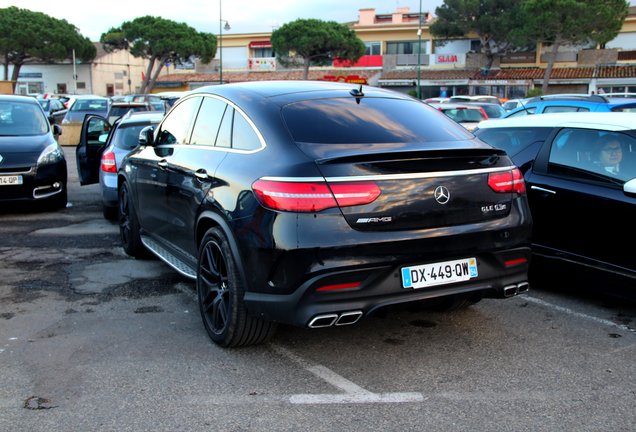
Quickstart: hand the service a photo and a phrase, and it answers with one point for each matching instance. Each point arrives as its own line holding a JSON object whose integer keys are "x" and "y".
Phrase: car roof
{"x": 614, "y": 121}
{"x": 129, "y": 104}
{"x": 19, "y": 98}
{"x": 453, "y": 105}
{"x": 141, "y": 117}
{"x": 296, "y": 90}
{"x": 90, "y": 97}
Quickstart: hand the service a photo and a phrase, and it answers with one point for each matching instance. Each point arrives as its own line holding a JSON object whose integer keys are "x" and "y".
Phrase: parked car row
{"x": 315, "y": 204}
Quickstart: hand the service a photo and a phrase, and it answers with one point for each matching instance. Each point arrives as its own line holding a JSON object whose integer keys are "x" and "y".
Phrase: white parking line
{"x": 353, "y": 393}
{"x": 579, "y": 314}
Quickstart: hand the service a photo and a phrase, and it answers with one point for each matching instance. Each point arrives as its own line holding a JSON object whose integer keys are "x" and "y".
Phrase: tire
{"x": 129, "y": 225}
{"x": 110, "y": 213}
{"x": 220, "y": 290}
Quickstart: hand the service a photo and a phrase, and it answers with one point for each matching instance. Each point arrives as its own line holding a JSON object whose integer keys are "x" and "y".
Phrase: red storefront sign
{"x": 353, "y": 79}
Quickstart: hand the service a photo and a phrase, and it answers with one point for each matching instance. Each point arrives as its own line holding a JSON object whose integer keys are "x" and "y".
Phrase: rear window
{"x": 127, "y": 137}
{"x": 513, "y": 140}
{"x": 372, "y": 120}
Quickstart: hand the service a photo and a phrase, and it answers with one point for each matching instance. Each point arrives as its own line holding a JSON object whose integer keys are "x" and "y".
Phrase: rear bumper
{"x": 381, "y": 286}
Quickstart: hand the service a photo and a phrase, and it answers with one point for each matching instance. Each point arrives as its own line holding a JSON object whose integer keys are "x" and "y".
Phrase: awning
{"x": 260, "y": 44}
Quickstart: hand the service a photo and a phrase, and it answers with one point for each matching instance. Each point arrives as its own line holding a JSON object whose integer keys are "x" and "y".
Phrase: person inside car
{"x": 609, "y": 155}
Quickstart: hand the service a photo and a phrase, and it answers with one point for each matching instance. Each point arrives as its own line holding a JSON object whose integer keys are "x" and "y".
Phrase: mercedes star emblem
{"x": 442, "y": 195}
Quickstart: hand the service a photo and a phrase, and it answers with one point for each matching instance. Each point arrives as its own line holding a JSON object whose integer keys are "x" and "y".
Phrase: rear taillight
{"x": 313, "y": 196}
{"x": 483, "y": 111}
{"x": 108, "y": 162}
{"x": 507, "y": 181}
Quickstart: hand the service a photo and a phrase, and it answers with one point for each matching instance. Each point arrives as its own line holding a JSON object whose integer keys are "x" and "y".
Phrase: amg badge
{"x": 384, "y": 219}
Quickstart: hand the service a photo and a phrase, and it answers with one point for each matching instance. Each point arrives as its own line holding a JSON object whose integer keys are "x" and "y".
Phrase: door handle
{"x": 540, "y": 189}
{"x": 201, "y": 174}
{"x": 162, "y": 163}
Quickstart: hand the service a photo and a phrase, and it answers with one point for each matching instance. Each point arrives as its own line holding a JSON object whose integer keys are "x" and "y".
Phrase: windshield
{"x": 90, "y": 105}
{"x": 18, "y": 118}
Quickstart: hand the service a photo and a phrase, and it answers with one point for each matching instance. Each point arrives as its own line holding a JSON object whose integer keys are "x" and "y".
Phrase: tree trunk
{"x": 151, "y": 65}
{"x": 155, "y": 75}
{"x": 15, "y": 74}
{"x": 306, "y": 68}
{"x": 6, "y": 67}
{"x": 548, "y": 70}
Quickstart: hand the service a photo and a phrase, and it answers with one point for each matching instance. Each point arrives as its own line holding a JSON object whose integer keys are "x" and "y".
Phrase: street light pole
{"x": 227, "y": 27}
{"x": 419, "y": 53}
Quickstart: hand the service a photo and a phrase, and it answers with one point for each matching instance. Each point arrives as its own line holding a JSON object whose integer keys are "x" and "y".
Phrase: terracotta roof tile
{"x": 264, "y": 76}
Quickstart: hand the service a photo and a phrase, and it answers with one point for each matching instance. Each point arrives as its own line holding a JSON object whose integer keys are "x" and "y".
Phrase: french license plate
{"x": 441, "y": 273}
{"x": 10, "y": 180}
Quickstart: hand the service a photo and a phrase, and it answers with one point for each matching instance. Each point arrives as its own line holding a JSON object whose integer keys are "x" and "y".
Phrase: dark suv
{"x": 315, "y": 204}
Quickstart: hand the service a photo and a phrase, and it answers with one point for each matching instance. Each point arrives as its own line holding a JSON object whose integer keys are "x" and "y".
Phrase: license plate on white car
{"x": 440, "y": 273}
{"x": 10, "y": 180}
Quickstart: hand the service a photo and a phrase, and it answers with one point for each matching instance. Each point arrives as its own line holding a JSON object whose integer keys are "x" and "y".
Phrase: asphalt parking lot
{"x": 91, "y": 339}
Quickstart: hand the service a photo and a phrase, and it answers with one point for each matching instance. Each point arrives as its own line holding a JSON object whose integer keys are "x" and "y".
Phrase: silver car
{"x": 106, "y": 145}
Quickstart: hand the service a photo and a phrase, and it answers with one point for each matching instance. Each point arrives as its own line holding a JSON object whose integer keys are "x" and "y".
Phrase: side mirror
{"x": 146, "y": 136}
{"x": 57, "y": 129}
{"x": 630, "y": 187}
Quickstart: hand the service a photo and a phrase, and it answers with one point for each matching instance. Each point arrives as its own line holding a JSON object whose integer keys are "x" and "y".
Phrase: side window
{"x": 175, "y": 127}
{"x": 224, "y": 139}
{"x": 243, "y": 136}
{"x": 556, "y": 109}
{"x": 594, "y": 155}
{"x": 572, "y": 148}
{"x": 613, "y": 154}
{"x": 208, "y": 122}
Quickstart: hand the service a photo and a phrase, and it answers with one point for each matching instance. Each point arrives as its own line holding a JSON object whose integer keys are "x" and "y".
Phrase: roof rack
{"x": 574, "y": 96}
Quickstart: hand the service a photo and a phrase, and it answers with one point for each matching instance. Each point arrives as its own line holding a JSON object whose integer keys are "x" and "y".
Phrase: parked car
{"x": 493, "y": 111}
{"x": 54, "y": 109}
{"x": 32, "y": 163}
{"x": 574, "y": 103}
{"x": 465, "y": 114}
{"x": 84, "y": 105}
{"x": 512, "y": 104}
{"x": 574, "y": 198}
{"x": 155, "y": 100}
{"x": 102, "y": 147}
{"x": 315, "y": 203}
{"x": 118, "y": 109}
{"x": 170, "y": 98}
{"x": 475, "y": 98}
{"x": 437, "y": 100}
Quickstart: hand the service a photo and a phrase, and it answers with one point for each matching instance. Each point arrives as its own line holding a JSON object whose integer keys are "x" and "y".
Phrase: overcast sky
{"x": 94, "y": 17}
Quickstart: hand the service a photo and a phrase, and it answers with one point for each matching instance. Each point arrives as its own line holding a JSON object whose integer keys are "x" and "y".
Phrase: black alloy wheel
{"x": 220, "y": 291}
{"x": 128, "y": 224}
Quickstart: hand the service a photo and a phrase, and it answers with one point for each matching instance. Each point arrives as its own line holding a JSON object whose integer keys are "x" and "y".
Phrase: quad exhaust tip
{"x": 328, "y": 320}
{"x": 515, "y": 289}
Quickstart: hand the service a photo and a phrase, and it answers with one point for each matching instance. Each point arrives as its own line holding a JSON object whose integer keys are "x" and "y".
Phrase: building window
{"x": 264, "y": 52}
{"x": 372, "y": 48}
{"x": 81, "y": 85}
{"x": 406, "y": 47}
{"x": 61, "y": 88}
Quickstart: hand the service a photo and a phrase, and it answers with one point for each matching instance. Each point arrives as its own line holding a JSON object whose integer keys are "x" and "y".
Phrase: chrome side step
{"x": 168, "y": 258}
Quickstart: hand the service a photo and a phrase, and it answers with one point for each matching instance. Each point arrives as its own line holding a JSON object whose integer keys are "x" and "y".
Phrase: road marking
{"x": 353, "y": 393}
{"x": 579, "y": 314}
